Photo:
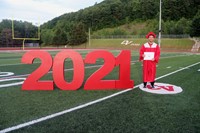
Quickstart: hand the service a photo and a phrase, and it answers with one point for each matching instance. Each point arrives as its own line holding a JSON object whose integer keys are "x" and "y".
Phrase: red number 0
{"x": 58, "y": 67}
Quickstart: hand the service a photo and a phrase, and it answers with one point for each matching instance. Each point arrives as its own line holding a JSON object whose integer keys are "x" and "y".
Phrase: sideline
{"x": 84, "y": 105}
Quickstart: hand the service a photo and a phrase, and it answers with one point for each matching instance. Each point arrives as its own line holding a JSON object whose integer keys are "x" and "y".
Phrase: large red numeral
{"x": 32, "y": 83}
{"x": 95, "y": 81}
{"x": 58, "y": 70}
{"x": 123, "y": 61}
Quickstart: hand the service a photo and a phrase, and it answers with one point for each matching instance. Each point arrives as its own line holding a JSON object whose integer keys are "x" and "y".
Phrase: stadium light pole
{"x": 160, "y": 19}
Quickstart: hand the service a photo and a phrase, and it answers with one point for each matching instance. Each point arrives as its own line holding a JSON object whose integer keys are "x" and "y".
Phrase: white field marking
{"x": 17, "y": 64}
{"x": 69, "y": 69}
{"x": 169, "y": 67}
{"x": 162, "y": 88}
{"x": 4, "y": 74}
{"x": 182, "y": 67}
{"x": 12, "y": 84}
{"x": 177, "y": 70}
{"x": 199, "y": 70}
{"x": 83, "y": 105}
{"x": 40, "y": 62}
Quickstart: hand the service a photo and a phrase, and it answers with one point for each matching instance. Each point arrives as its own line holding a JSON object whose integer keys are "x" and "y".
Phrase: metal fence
{"x": 136, "y": 36}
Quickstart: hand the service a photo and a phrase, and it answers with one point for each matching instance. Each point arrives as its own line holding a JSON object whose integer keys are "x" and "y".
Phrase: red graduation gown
{"x": 149, "y": 67}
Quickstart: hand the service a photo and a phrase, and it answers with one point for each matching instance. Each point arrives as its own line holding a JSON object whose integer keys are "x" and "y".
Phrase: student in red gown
{"x": 149, "y": 54}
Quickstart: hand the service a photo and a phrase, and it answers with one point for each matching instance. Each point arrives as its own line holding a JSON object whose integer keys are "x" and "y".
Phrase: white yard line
{"x": 83, "y": 105}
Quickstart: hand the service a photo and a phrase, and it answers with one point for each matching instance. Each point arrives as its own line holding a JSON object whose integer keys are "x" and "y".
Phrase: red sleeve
{"x": 141, "y": 53}
{"x": 157, "y": 54}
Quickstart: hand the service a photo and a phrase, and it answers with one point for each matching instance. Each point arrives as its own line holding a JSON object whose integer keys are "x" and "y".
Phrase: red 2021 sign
{"x": 94, "y": 82}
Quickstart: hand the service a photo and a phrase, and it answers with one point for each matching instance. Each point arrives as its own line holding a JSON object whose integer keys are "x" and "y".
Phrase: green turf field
{"x": 132, "y": 111}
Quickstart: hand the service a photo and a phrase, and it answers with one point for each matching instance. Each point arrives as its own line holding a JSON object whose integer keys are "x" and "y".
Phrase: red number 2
{"x": 32, "y": 83}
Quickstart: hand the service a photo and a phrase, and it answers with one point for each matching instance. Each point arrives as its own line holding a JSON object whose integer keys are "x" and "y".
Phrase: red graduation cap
{"x": 151, "y": 34}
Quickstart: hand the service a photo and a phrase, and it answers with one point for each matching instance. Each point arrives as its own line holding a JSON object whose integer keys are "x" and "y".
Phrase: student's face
{"x": 151, "y": 39}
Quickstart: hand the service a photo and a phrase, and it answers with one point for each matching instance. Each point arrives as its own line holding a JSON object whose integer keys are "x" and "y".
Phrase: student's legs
{"x": 152, "y": 84}
{"x": 145, "y": 84}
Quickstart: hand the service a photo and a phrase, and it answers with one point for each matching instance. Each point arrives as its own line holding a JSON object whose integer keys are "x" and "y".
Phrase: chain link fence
{"x": 137, "y": 36}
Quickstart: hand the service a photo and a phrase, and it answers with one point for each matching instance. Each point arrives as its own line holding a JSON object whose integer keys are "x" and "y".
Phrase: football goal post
{"x": 25, "y": 38}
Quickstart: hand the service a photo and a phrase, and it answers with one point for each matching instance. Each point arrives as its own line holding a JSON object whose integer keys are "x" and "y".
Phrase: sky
{"x": 40, "y": 11}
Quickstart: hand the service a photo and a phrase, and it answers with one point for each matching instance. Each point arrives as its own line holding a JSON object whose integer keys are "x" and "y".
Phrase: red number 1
{"x": 124, "y": 63}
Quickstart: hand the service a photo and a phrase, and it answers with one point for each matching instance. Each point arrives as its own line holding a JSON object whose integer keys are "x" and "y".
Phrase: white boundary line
{"x": 177, "y": 70}
{"x": 83, "y": 105}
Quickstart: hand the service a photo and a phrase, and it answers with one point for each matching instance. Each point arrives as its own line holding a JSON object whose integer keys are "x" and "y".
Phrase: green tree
{"x": 21, "y": 29}
{"x": 195, "y": 26}
{"x": 112, "y": 13}
{"x": 77, "y": 34}
{"x": 183, "y": 26}
{"x": 47, "y": 36}
{"x": 6, "y": 38}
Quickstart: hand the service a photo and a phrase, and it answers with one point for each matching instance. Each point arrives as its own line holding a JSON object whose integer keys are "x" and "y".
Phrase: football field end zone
{"x": 84, "y": 105}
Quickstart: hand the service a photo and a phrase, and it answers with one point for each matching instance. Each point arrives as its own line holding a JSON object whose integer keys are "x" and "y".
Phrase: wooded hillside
{"x": 178, "y": 17}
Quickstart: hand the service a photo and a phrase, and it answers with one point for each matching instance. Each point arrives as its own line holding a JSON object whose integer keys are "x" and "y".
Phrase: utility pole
{"x": 89, "y": 37}
{"x": 160, "y": 19}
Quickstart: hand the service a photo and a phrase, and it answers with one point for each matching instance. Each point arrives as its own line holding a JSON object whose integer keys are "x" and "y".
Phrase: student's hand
{"x": 153, "y": 59}
{"x": 143, "y": 55}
